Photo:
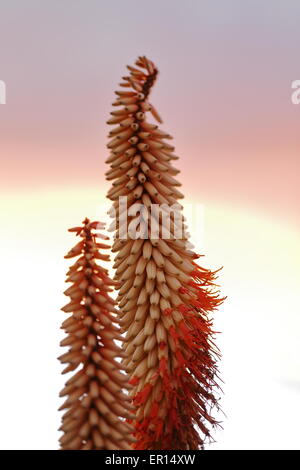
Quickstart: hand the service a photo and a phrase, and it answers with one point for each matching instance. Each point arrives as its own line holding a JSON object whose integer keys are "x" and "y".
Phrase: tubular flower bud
{"x": 165, "y": 298}
{"x": 95, "y": 399}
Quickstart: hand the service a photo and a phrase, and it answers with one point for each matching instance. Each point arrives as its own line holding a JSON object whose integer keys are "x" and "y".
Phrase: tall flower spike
{"x": 165, "y": 298}
{"x": 96, "y": 404}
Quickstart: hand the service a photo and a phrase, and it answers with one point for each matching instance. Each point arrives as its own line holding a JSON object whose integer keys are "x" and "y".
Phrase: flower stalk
{"x": 96, "y": 405}
{"x": 165, "y": 298}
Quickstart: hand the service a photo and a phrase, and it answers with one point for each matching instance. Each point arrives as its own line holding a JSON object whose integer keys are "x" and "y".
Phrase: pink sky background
{"x": 224, "y": 93}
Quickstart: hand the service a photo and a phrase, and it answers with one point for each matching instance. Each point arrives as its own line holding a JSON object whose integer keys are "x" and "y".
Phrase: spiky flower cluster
{"x": 96, "y": 404}
{"x": 165, "y": 297}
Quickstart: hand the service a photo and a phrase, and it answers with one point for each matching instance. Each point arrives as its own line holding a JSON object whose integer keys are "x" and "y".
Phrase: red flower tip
{"x": 154, "y": 410}
{"x": 134, "y": 380}
{"x": 180, "y": 358}
{"x": 173, "y": 333}
{"x": 195, "y": 273}
{"x": 159, "y": 428}
{"x": 163, "y": 365}
{"x": 196, "y": 303}
{"x": 183, "y": 308}
{"x": 167, "y": 311}
{"x": 184, "y": 328}
{"x": 142, "y": 396}
{"x": 174, "y": 417}
{"x": 183, "y": 290}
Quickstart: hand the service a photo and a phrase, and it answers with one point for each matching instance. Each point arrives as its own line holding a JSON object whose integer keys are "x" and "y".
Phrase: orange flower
{"x": 165, "y": 297}
{"x": 96, "y": 404}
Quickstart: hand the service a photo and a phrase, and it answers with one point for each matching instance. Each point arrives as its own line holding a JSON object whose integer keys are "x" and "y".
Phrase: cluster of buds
{"x": 96, "y": 405}
{"x": 165, "y": 298}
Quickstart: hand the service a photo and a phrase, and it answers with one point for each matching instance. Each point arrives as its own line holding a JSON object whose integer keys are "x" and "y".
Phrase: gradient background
{"x": 224, "y": 92}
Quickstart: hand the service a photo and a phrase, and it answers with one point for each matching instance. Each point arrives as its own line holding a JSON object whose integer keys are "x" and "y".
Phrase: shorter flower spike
{"x": 96, "y": 405}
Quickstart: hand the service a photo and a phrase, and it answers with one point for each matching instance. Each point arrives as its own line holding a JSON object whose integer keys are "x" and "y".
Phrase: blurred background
{"x": 224, "y": 93}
